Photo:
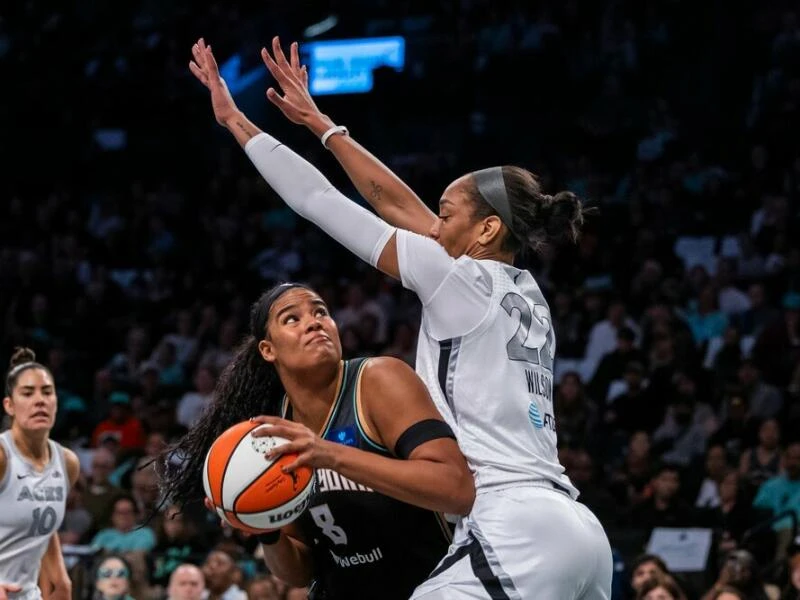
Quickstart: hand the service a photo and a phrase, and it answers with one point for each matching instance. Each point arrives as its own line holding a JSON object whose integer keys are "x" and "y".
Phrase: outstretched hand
{"x": 296, "y": 103}
{"x": 8, "y": 588}
{"x": 204, "y": 67}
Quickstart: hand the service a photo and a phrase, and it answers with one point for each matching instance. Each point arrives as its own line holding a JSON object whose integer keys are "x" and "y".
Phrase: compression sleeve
{"x": 307, "y": 192}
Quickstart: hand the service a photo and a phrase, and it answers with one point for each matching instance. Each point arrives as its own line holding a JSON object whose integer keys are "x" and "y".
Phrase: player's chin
{"x": 39, "y": 424}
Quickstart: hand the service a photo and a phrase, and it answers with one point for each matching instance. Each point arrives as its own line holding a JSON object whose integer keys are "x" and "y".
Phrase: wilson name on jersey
{"x": 365, "y": 544}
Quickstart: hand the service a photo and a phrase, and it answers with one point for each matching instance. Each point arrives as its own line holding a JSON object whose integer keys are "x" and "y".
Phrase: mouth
{"x": 318, "y": 339}
{"x": 40, "y": 415}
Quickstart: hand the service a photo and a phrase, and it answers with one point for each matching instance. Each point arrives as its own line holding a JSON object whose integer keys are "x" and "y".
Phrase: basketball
{"x": 248, "y": 489}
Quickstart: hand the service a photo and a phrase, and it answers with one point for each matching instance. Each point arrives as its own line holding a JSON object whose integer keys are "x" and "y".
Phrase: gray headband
{"x": 492, "y": 188}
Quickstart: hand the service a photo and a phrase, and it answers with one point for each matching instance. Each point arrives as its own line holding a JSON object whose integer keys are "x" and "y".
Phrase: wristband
{"x": 269, "y": 538}
{"x": 333, "y": 130}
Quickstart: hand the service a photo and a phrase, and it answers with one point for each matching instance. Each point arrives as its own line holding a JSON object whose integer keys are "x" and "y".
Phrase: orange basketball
{"x": 249, "y": 490}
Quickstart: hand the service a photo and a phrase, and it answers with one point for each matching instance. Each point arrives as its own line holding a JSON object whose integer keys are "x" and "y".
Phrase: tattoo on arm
{"x": 376, "y": 192}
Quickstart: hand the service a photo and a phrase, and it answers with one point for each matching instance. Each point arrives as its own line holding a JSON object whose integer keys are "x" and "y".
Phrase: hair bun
{"x": 21, "y": 355}
{"x": 563, "y": 216}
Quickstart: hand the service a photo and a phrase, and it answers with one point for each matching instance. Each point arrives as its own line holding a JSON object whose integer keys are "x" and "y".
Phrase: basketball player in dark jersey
{"x": 386, "y": 462}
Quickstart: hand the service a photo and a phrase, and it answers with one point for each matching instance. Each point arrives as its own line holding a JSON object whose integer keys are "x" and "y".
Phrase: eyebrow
{"x": 31, "y": 388}
{"x": 315, "y": 302}
{"x": 445, "y": 201}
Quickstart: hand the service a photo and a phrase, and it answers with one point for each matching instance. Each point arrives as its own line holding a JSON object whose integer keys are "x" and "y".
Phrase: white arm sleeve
{"x": 306, "y": 191}
{"x": 455, "y": 294}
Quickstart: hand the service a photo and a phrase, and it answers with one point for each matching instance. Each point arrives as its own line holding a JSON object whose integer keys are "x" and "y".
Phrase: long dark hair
{"x": 249, "y": 386}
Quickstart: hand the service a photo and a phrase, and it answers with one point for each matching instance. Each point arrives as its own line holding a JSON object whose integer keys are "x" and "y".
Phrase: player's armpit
{"x": 387, "y": 262}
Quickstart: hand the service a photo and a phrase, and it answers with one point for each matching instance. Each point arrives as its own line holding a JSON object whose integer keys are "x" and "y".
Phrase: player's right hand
{"x": 204, "y": 68}
{"x": 8, "y": 588}
{"x": 296, "y": 103}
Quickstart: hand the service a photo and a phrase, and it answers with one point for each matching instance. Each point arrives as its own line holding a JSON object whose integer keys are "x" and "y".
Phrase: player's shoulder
{"x": 385, "y": 373}
{"x": 71, "y": 461}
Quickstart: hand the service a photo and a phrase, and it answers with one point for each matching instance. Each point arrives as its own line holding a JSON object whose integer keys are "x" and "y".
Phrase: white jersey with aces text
{"x": 485, "y": 351}
{"x": 32, "y": 507}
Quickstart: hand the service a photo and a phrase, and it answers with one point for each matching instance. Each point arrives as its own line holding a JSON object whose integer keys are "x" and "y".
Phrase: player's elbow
{"x": 461, "y": 496}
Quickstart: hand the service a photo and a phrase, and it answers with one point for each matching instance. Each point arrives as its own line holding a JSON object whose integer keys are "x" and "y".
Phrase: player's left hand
{"x": 312, "y": 450}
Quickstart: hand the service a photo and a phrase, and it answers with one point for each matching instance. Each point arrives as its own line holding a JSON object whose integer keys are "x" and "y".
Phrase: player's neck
{"x": 313, "y": 397}
{"x": 489, "y": 253}
{"x": 32, "y": 446}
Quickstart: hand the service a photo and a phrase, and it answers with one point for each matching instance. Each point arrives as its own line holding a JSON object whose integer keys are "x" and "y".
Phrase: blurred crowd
{"x": 134, "y": 235}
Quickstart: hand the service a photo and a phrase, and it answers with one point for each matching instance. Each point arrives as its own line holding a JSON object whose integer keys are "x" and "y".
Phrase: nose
{"x": 434, "y": 232}
{"x": 313, "y": 324}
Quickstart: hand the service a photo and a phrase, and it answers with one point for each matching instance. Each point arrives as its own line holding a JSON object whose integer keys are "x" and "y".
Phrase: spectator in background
{"x": 760, "y": 314}
{"x": 716, "y": 466}
{"x": 77, "y": 521}
{"x": 763, "y": 461}
{"x": 222, "y": 573}
{"x": 792, "y": 591}
{"x": 404, "y": 344}
{"x": 763, "y": 400}
{"x": 782, "y": 493}
{"x": 112, "y": 579}
{"x": 612, "y": 366}
{"x": 734, "y": 431}
{"x": 664, "y": 507}
{"x": 124, "y": 535}
{"x": 120, "y": 425}
{"x": 187, "y": 583}
{"x": 777, "y": 349}
{"x": 647, "y": 567}
{"x": 740, "y": 571}
{"x": 356, "y": 307}
{"x": 182, "y": 338}
{"x": 661, "y": 588}
{"x": 575, "y": 413}
{"x": 193, "y": 403}
{"x": 99, "y": 494}
{"x": 631, "y": 478}
{"x": 603, "y": 336}
{"x": 704, "y": 317}
{"x": 124, "y": 366}
{"x": 262, "y": 588}
{"x": 177, "y": 543}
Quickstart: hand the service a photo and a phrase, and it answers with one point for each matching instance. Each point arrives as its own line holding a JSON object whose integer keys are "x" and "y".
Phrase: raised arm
{"x": 394, "y": 201}
{"x": 304, "y": 189}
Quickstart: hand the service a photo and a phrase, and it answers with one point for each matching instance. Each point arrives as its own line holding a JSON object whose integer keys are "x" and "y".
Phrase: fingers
{"x": 267, "y": 420}
{"x": 272, "y": 66}
{"x": 276, "y": 98}
{"x": 283, "y": 431}
{"x": 209, "y": 504}
{"x": 277, "y": 52}
{"x": 304, "y": 76}
{"x": 290, "y": 448}
{"x": 300, "y": 461}
{"x": 294, "y": 57}
{"x": 198, "y": 72}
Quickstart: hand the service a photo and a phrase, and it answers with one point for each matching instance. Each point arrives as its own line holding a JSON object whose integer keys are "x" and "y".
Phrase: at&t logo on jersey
{"x": 535, "y": 417}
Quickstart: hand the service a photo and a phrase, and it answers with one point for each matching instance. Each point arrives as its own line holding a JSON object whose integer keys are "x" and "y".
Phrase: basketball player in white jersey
{"x": 35, "y": 476}
{"x": 486, "y": 344}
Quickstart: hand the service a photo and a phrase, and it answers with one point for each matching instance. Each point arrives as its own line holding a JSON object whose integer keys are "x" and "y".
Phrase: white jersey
{"x": 33, "y": 506}
{"x": 485, "y": 351}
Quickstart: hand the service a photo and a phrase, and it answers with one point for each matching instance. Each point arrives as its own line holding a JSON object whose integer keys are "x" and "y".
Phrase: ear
{"x": 267, "y": 350}
{"x": 8, "y": 405}
{"x": 490, "y": 229}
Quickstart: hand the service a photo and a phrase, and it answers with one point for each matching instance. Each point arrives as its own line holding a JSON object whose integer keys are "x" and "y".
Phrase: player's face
{"x": 457, "y": 230}
{"x": 186, "y": 584}
{"x": 33, "y": 401}
{"x": 301, "y": 332}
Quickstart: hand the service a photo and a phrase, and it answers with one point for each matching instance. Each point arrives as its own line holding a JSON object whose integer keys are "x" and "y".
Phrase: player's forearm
{"x": 53, "y": 571}
{"x": 289, "y": 560}
{"x": 392, "y": 199}
{"x": 307, "y": 192}
{"x": 242, "y": 128}
{"x": 437, "y": 486}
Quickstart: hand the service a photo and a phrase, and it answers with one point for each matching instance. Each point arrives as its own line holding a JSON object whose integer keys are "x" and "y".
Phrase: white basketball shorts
{"x": 524, "y": 542}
